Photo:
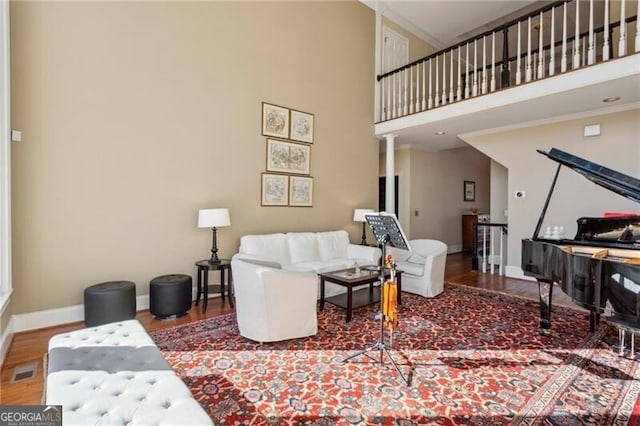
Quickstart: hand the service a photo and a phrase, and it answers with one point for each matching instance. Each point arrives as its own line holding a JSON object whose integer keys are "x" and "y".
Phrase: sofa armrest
{"x": 371, "y": 254}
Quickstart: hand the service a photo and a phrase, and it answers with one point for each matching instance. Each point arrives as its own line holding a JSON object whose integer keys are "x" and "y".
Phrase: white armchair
{"x": 273, "y": 304}
{"x": 423, "y": 267}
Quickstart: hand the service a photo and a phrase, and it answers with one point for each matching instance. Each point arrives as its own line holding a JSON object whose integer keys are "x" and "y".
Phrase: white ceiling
{"x": 443, "y": 23}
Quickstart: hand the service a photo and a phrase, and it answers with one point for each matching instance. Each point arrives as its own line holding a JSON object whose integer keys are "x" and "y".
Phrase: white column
{"x": 390, "y": 190}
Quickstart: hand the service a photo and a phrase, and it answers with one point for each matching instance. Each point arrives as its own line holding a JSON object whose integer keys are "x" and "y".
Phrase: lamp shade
{"x": 358, "y": 214}
{"x": 213, "y": 218}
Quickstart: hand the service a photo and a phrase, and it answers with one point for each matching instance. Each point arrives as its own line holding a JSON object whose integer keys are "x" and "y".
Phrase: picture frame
{"x": 288, "y": 157}
{"x": 275, "y": 121}
{"x": 301, "y": 126}
{"x": 300, "y": 191}
{"x": 469, "y": 190}
{"x": 274, "y": 190}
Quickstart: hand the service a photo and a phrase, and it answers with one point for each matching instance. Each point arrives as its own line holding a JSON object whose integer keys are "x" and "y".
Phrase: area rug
{"x": 470, "y": 356}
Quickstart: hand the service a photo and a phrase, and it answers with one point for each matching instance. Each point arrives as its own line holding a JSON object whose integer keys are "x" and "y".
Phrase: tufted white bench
{"x": 114, "y": 374}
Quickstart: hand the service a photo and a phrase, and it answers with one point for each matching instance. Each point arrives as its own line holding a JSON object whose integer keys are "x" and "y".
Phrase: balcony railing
{"x": 563, "y": 36}
{"x": 490, "y": 247}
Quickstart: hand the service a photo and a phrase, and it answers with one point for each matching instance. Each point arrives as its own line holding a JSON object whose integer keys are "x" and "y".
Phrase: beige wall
{"x": 137, "y": 114}
{"x": 432, "y": 184}
{"x": 574, "y": 196}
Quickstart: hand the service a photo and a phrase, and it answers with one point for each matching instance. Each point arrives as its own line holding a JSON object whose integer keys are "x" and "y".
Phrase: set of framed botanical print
{"x": 287, "y": 180}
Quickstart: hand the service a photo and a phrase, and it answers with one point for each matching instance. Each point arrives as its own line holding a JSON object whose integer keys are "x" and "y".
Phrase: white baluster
{"x": 459, "y": 94}
{"x": 451, "y": 99}
{"x": 622, "y": 43}
{"x": 383, "y": 111}
{"x": 563, "y": 60}
{"x": 501, "y": 270}
{"x": 430, "y": 104}
{"x": 436, "y": 99}
{"x": 466, "y": 80}
{"x": 540, "y": 50}
{"x": 405, "y": 100}
{"x": 444, "y": 79}
{"x": 606, "y": 49}
{"x": 484, "y": 65}
{"x": 552, "y": 42}
{"x": 399, "y": 105}
{"x": 417, "y": 107}
{"x": 424, "y": 86}
{"x": 518, "y": 64}
{"x": 592, "y": 48}
{"x": 474, "y": 89}
{"x": 528, "y": 71}
{"x": 484, "y": 249}
{"x": 493, "y": 62}
{"x": 389, "y": 103}
{"x": 583, "y": 61}
{"x": 410, "y": 90}
{"x": 576, "y": 39}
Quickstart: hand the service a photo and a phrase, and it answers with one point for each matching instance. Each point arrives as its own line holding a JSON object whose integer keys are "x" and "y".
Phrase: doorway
{"x": 382, "y": 193}
{"x": 395, "y": 50}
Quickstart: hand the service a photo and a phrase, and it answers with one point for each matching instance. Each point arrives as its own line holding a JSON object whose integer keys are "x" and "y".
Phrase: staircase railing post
{"x": 505, "y": 75}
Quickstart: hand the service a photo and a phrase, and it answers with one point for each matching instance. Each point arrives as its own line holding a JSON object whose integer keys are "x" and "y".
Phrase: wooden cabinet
{"x": 468, "y": 225}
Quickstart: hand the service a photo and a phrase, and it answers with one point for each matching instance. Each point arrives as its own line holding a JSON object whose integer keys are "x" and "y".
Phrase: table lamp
{"x": 213, "y": 218}
{"x": 358, "y": 216}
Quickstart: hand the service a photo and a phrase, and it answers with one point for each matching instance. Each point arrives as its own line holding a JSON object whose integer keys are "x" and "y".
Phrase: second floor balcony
{"x": 567, "y": 58}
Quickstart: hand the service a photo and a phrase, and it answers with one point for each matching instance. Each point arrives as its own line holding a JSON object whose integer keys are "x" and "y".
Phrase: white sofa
{"x": 422, "y": 266}
{"x": 276, "y": 284}
{"x": 310, "y": 252}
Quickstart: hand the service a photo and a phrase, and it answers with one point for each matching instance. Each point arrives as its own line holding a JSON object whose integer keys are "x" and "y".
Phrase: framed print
{"x": 300, "y": 191}
{"x": 275, "y": 121}
{"x": 275, "y": 190}
{"x": 469, "y": 190}
{"x": 301, "y": 126}
{"x": 288, "y": 157}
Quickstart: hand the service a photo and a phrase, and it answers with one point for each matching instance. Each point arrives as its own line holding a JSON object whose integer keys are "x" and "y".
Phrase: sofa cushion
{"x": 416, "y": 258}
{"x": 333, "y": 245}
{"x": 303, "y": 247}
{"x": 269, "y": 247}
{"x": 399, "y": 255}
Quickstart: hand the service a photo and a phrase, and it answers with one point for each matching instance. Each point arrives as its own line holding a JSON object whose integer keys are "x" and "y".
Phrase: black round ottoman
{"x": 110, "y": 301}
{"x": 170, "y": 295}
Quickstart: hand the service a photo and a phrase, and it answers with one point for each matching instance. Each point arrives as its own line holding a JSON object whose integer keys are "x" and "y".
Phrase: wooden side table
{"x": 204, "y": 266}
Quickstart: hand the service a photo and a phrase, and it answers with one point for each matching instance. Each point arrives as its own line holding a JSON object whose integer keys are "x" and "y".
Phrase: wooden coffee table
{"x": 350, "y": 279}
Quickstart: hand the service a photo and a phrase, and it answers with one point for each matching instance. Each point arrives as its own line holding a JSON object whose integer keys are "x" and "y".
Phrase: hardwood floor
{"x": 31, "y": 346}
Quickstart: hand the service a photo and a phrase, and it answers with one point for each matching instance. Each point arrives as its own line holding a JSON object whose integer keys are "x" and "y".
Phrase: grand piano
{"x": 600, "y": 267}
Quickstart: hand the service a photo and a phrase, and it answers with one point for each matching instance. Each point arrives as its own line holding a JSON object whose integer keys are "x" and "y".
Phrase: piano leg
{"x": 545, "y": 290}
{"x": 594, "y": 320}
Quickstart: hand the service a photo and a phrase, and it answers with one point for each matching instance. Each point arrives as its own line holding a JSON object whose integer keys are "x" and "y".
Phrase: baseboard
{"x": 59, "y": 316}
{"x": 454, "y": 249}
{"x": 516, "y": 272}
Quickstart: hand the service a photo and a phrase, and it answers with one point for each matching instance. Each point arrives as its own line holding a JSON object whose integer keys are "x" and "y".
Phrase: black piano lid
{"x": 612, "y": 180}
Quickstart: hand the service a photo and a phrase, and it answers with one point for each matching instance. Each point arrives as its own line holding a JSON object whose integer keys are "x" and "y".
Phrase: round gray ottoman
{"x": 170, "y": 295}
{"x": 110, "y": 301}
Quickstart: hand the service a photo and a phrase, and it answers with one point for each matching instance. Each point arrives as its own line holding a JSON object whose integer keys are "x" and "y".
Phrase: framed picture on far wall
{"x": 275, "y": 121}
{"x": 288, "y": 157}
{"x": 301, "y": 126}
{"x": 300, "y": 191}
{"x": 469, "y": 190}
{"x": 275, "y": 190}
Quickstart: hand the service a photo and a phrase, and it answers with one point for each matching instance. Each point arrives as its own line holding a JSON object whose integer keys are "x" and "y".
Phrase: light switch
{"x": 16, "y": 135}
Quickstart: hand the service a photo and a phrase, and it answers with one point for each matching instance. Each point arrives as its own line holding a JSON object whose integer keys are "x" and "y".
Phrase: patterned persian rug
{"x": 471, "y": 357}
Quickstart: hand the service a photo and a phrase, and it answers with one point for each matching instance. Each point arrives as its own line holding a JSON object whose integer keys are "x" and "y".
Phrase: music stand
{"x": 387, "y": 230}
